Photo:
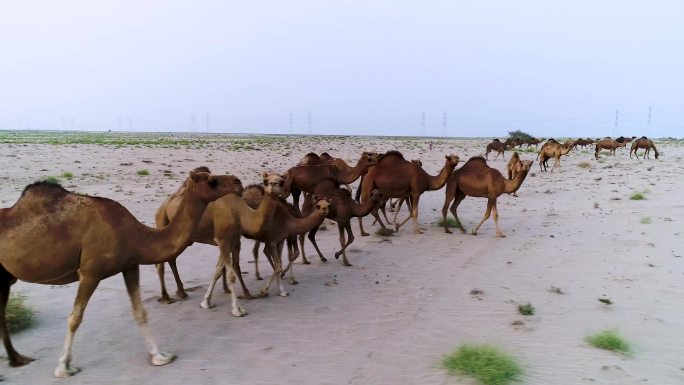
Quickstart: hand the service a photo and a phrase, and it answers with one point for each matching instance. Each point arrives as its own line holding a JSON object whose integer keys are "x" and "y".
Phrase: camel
{"x": 342, "y": 209}
{"x": 54, "y": 237}
{"x": 222, "y": 224}
{"x": 646, "y": 144}
{"x": 476, "y": 179}
{"x": 303, "y": 178}
{"x": 395, "y": 206}
{"x": 533, "y": 141}
{"x": 396, "y": 177}
{"x": 609, "y": 144}
{"x": 497, "y": 146}
{"x": 282, "y": 225}
{"x": 553, "y": 150}
{"x": 584, "y": 142}
{"x": 514, "y": 166}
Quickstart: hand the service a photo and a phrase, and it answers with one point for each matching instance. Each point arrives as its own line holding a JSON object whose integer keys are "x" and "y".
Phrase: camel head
{"x": 376, "y": 196}
{"x": 209, "y": 187}
{"x": 322, "y": 205}
{"x": 451, "y": 160}
{"x": 369, "y": 158}
{"x": 524, "y": 166}
{"x": 417, "y": 162}
{"x": 274, "y": 182}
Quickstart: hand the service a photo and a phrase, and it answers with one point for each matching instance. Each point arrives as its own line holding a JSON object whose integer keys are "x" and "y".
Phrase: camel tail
{"x": 357, "y": 197}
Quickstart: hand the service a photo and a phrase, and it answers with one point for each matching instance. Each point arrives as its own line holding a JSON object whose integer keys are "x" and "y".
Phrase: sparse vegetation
{"x": 517, "y": 134}
{"x": 450, "y": 222}
{"x": 384, "y": 232}
{"x": 485, "y": 363}
{"x": 52, "y": 179}
{"x": 637, "y": 196}
{"x": 584, "y": 165}
{"x": 645, "y": 221}
{"x": 609, "y": 340}
{"x": 526, "y": 309}
{"x": 143, "y": 172}
{"x": 67, "y": 175}
{"x": 19, "y": 316}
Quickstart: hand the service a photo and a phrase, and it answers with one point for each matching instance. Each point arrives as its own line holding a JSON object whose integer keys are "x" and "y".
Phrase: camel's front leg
{"x": 15, "y": 359}
{"x": 495, "y": 215}
{"x": 255, "y": 252}
{"x": 414, "y": 213}
{"x": 132, "y": 279}
{"x": 86, "y": 287}
{"x": 274, "y": 257}
{"x": 180, "y": 289}
{"x": 350, "y": 239}
{"x": 486, "y": 216}
{"x": 165, "y": 297}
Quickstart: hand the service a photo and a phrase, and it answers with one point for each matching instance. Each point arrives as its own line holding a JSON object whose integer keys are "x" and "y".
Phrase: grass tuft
{"x": 645, "y": 221}
{"x": 384, "y": 232}
{"x": 52, "y": 179}
{"x": 526, "y": 309}
{"x": 67, "y": 175}
{"x": 584, "y": 165}
{"x": 485, "y": 363}
{"x": 450, "y": 222}
{"x": 143, "y": 172}
{"x": 609, "y": 340}
{"x": 19, "y": 315}
{"x": 637, "y": 196}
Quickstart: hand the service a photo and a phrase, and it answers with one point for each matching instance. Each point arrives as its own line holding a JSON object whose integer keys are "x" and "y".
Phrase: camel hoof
{"x": 347, "y": 264}
{"x": 238, "y": 312}
{"x": 292, "y": 281}
{"x": 20, "y": 360}
{"x": 337, "y": 255}
{"x": 306, "y": 262}
{"x": 323, "y": 260}
{"x": 166, "y": 300}
{"x": 206, "y": 305}
{"x": 448, "y": 231}
{"x": 500, "y": 235}
{"x": 418, "y": 231}
{"x": 364, "y": 234}
{"x": 258, "y": 278}
{"x": 162, "y": 358}
{"x": 64, "y": 371}
{"x": 474, "y": 232}
{"x": 283, "y": 293}
{"x": 181, "y": 294}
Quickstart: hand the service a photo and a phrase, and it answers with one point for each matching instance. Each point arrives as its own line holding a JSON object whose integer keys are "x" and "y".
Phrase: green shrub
{"x": 637, "y": 196}
{"x": 646, "y": 221}
{"x": 143, "y": 172}
{"x": 526, "y": 309}
{"x": 485, "y": 363}
{"x": 609, "y": 340}
{"x": 19, "y": 316}
{"x": 67, "y": 175}
{"x": 51, "y": 179}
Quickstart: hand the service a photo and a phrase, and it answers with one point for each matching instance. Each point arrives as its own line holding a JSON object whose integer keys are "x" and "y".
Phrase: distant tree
{"x": 517, "y": 134}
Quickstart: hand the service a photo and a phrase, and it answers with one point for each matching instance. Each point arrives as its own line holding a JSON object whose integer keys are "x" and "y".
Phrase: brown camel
{"x": 282, "y": 225}
{"x": 222, "y": 224}
{"x": 395, "y": 206}
{"x": 54, "y": 237}
{"x": 533, "y": 142}
{"x": 303, "y": 178}
{"x": 609, "y": 144}
{"x": 553, "y": 150}
{"x": 396, "y": 177}
{"x": 342, "y": 209}
{"x": 476, "y": 179}
{"x": 499, "y": 147}
{"x": 514, "y": 166}
{"x": 585, "y": 142}
{"x": 646, "y": 144}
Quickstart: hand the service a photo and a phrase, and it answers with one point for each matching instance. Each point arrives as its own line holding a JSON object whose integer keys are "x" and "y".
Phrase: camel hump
{"x": 310, "y": 158}
{"x": 476, "y": 160}
{"x": 644, "y": 137}
{"x": 496, "y": 140}
{"x": 45, "y": 188}
{"x": 253, "y": 194}
{"x": 394, "y": 153}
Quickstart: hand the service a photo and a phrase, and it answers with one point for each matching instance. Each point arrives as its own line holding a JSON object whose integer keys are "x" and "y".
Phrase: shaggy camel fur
{"x": 342, "y": 209}
{"x": 54, "y": 237}
{"x": 396, "y": 177}
{"x": 553, "y": 150}
{"x": 646, "y": 144}
{"x": 303, "y": 178}
{"x": 476, "y": 179}
{"x": 609, "y": 144}
{"x": 497, "y": 146}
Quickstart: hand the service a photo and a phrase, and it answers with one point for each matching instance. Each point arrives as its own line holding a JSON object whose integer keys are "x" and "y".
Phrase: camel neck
{"x": 351, "y": 174}
{"x": 438, "y": 181}
{"x": 363, "y": 209}
{"x": 296, "y": 225}
{"x": 511, "y": 186}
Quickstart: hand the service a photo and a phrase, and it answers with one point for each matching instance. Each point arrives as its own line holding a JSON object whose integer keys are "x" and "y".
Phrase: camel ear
{"x": 197, "y": 176}
{"x": 264, "y": 174}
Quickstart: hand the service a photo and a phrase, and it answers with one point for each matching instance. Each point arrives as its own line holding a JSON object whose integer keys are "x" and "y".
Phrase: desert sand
{"x": 407, "y": 301}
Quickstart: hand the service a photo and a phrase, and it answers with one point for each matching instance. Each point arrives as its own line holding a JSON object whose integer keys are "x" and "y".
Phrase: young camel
{"x": 497, "y": 146}
{"x": 514, "y": 166}
{"x": 54, "y": 237}
{"x": 342, "y": 209}
{"x": 476, "y": 179}
{"x": 646, "y": 144}
{"x": 553, "y": 150}
{"x": 396, "y": 177}
{"x": 303, "y": 178}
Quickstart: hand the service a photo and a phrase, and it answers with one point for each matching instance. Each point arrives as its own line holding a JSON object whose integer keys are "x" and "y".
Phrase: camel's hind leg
{"x": 301, "y": 246}
{"x": 274, "y": 254}
{"x": 255, "y": 253}
{"x": 86, "y": 287}
{"x": 165, "y": 297}
{"x": 224, "y": 263}
{"x": 344, "y": 244}
{"x": 132, "y": 279}
{"x": 449, "y": 197}
{"x": 458, "y": 198}
{"x": 180, "y": 289}
{"x": 490, "y": 203}
{"x": 6, "y": 281}
{"x": 413, "y": 214}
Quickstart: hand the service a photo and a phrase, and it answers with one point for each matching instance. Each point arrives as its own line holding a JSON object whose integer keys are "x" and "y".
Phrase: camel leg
{"x": 274, "y": 257}
{"x": 301, "y": 246}
{"x": 255, "y": 252}
{"x": 350, "y": 239}
{"x": 445, "y": 208}
{"x": 413, "y": 213}
{"x": 490, "y": 203}
{"x": 556, "y": 163}
{"x": 132, "y": 279}
{"x": 235, "y": 259}
{"x": 312, "y": 239}
{"x": 495, "y": 215}
{"x": 224, "y": 263}
{"x": 86, "y": 287}
{"x": 292, "y": 254}
{"x": 165, "y": 298}
{"x": 15, "y": 359}
{"x": 454, "y": 209}
{"x": 180, "y": 289}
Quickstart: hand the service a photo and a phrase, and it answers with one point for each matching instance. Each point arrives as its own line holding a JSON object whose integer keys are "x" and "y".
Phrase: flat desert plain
{"x": 573, "y": 237}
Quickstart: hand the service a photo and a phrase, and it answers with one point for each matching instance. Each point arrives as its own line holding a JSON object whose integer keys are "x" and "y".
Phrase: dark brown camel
{"x": 476, "y": 179}
{"x": 498, "y": 146}
{"x": 54, "y": 237}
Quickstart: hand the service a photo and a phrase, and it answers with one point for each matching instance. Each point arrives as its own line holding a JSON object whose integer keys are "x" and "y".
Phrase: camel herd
{"x": 53, "y": 236}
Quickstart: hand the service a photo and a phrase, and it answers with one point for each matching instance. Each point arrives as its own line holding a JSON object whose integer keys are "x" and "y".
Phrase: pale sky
{"x": 550, "y": 68}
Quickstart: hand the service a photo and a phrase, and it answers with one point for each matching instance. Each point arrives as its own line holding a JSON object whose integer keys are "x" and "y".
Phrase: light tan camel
{"x": 282, "y": 225}
{"x": 499, "y": 147}
{"x": 54, "y": 237}
{"x": 342, "y": 209}
{"x": 553, "y": 150}
{"x": 646, "y": 144}
{"x": 396, "y": 177}
{"x": 222, "y": 224}
{"x": 476, "y": 179}
{"x": 303, "y": 178}
{"x": 514, "y": 166}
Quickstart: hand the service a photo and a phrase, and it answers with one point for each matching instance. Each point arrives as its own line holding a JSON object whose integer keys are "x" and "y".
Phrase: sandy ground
{"x": 407, "y": 300}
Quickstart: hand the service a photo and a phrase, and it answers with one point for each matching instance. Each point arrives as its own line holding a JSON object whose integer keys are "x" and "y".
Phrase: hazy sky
{"x": 551, "y": 68}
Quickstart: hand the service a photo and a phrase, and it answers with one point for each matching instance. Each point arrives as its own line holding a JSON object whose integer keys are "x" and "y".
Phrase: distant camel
{"x": 54, "y": 237}
{"x": 498, "y": 146}
{"x": 646, "y": 144}
{"x": 553, "y": 150}
{"x": 609, "y": 144}
{"x": 584, "y": 142}
{"x": 476, "y": 179}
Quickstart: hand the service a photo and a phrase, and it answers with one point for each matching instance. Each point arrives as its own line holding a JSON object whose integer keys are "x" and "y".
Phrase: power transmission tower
{"x": 617, "y": 117}
{"x": 422, "y": 124}
{"x": 207, "y": 122}
{"x": 291, "y": 122}
{"x": 650, "y": 109}
{"x": 444, "y": 124}
{"x": 193, "y": 122}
